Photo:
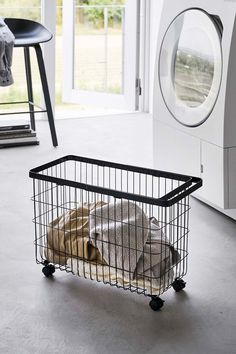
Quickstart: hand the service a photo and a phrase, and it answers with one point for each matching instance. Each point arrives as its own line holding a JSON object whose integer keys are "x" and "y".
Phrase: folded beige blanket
{"x": 68, "y": 236}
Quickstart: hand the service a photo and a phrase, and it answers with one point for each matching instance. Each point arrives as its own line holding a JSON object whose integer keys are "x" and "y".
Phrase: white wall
{"x": 155, "y": 13}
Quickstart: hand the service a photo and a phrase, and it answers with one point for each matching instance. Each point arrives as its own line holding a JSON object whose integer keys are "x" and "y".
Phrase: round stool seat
{"x": 27, "y": 33}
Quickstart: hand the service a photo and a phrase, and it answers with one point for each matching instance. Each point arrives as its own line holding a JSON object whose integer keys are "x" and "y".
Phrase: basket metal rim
{"x": 190, "y": 184}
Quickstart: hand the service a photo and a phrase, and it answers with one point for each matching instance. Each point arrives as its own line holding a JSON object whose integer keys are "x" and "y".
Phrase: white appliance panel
{"x": 232, "y": 178}
{"x": 215, "y": 129}
{"x": 176, "y": 151}
{"x": 214, "y": 174}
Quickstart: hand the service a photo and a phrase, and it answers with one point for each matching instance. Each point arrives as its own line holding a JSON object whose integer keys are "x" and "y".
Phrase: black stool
{"x": 30, "y": 34}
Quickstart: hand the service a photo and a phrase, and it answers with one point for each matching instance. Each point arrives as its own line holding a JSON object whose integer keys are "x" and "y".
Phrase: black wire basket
{"x": 122, "y": 225}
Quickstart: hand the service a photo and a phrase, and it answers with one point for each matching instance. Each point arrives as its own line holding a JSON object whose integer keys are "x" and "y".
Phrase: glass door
{"x": 190, "y": 66}
{"x": 100, "y": 52}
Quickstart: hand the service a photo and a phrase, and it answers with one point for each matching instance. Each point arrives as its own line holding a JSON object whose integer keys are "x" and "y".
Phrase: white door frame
{"x": 145, "y": 31}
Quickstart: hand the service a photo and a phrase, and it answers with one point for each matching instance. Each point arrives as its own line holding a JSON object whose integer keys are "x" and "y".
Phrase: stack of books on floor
{"x": 17, "y": 135}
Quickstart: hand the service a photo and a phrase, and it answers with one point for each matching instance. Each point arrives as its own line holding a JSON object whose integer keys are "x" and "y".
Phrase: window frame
{"x": 142, "y": 71}
{"x": 128, "y": 100}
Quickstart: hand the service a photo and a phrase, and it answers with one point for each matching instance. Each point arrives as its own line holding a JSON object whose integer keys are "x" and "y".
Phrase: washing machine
{"x": 194, "y": 111}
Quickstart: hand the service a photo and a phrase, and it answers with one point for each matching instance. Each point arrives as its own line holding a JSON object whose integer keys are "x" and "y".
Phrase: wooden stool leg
{"x": 47, "y": 99}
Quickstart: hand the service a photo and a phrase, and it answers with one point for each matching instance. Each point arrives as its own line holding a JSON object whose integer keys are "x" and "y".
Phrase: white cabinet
{"x": 176, "y": 151}
{"x": 232, "y": 178}
{"x": 214, "y": 174}
{"x": 219, "y": 175}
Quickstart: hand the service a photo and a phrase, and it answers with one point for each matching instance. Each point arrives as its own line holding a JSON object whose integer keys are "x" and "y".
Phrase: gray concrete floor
{"x": 73, "y": 315}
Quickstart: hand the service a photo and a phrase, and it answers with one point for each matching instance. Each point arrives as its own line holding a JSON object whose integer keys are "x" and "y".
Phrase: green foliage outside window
{"x": 21, "y": 9}
{"x": 96, "y": 15}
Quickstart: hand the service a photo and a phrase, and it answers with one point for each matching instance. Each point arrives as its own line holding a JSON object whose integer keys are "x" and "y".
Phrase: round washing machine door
{"x": 190, "y": 66}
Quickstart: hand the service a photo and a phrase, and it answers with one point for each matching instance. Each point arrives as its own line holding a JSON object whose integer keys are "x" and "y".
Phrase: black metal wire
{"x": 132, "y": 198}
{"x": 31, "y": 104}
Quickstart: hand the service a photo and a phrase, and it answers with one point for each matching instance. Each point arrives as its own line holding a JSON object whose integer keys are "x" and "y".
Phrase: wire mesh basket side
{"x": 56, "y": 243}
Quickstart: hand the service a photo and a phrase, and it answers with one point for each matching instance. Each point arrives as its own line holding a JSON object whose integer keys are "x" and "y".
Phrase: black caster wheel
{"x": 48, "y": 270}
{"x": 178, "y": 285}
{"x": 156, "y": 303}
